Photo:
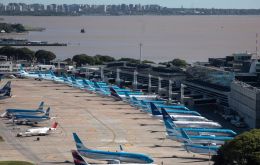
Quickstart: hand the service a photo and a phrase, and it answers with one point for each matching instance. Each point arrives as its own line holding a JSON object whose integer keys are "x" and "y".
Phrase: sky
{"x": 245, "y": 4}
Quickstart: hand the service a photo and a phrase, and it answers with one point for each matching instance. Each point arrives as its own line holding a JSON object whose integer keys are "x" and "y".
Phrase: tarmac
{"x": 100, "y": 122}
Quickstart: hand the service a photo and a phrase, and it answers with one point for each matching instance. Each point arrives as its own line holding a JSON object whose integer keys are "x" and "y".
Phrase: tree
{"x": 44, "y": 56}
{"x": 24, "y": 54}
{"x": 175, "y": 62}
{"x": 242, "y": 150}
{"x": 17, "y": 53}
{"x": 69, "y": 61}
{"x": 8, "y": 51}
{"x": 18, "y": 28}
{"x": 100, "y": 59}
{"x": 147, "y": 62}
{"x": 12, "y": 27}
{"x": 178, "y": 62}
{"x": 83, "y": 59}
{"x": 131, "y": 60}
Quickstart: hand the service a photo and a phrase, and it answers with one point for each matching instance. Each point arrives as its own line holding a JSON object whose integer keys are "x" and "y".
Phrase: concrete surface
{"x": 101, "y": 123}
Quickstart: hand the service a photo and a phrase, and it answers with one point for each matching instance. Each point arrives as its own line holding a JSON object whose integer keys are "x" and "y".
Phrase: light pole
{"x": 140, "y": 47}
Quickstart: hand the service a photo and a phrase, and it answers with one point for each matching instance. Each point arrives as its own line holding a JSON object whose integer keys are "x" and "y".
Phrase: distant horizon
{"x": 221, "y": 4}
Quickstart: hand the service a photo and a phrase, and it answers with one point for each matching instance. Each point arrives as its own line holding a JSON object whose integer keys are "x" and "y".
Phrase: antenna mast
{"x": 256, "y": 48}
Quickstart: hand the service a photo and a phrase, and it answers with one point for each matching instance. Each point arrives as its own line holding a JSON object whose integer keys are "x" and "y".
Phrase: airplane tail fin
{"x": 85, "y": 82}
{"x": 73, "y": 79}
{"x": 21, "y": 68}
{"x": 51, "y": 72}
{"x": 134, "y": 98}
{"x": 155, "y": 110}
{"x": 114, "y": 93}
{"x": 41, "y": 106}
{"x": 185, "y": 136}
{"x": 127, "y": 95}
{"x": 6, "y": 90}
{"x": 96, "y": 85}
{"x": 166, "y": 116}
{"x": 169, "y": 128}
{"x": 78, "y": 142}
{"x": 78, "y": 160}
{"x": 7, "y": 86}
{"x": 47, "y": 113}
{"x": 54, "y": 125}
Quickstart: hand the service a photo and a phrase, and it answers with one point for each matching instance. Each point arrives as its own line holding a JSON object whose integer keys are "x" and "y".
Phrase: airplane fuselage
{"x": 120, "y": 156}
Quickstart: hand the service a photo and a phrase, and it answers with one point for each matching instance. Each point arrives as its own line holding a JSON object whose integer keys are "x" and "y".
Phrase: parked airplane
{"x": 6, "y": 90}
{"x": 178, "y": 117}
{"x": 179, "y": 107}
{"x": 178, "y": 135}
{"x": 78, "y": 160}
{"x": 8, "y": 113}
{"x": 168, "y": 107}
{"x": 88, "y": 86}
{"x": 194, "y": 124}
{"x": 27, "y": 119}
{"x": 23, "y": 73}
{"x": 102, "y": 90}
{"x": 141, "y": 103}
{"x": 209, "y": 149}
{"x": 171, "y": 129}
{"x": 125, "y": 94}
{"x": 111, "y": 157}
{"x": 76, "y": 83}
{"x": 175, "y": 111}
{"x": 38, "y": 131}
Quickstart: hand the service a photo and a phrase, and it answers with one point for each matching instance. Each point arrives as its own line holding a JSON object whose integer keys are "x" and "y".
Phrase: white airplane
{"x": 176, "y": 117}
{"x": 180, "y": 135}
{"x": 125, "y": 94}
{"x": 38, "y": 131}
{"x": 109, "y": 156}
{"x": 23, "y": 73}
{"x": 194, "y": 124}
{"x": 210, "y": 149}
{"x": 78, "y": 160}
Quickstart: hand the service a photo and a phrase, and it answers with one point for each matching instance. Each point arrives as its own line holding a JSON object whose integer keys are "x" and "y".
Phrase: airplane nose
{"x": 149, "y": 160}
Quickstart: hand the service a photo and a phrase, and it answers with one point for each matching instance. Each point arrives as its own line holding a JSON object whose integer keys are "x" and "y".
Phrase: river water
{"x": 193, "y": 38}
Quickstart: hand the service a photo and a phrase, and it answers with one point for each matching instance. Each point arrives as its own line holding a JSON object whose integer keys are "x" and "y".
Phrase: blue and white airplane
{"x": 209, "y": 149}
{"x": 31, "y": 119}
{"x": 78, "y": 160}
{"x": 6, "y": 90}
{"x": 171, "y": 129}
{"x": 51, "y": 76}
{"x": 168, "y": 107}
{"x": 177, "y": 107}
{"x": 102, "y": 89}
{"x": 177, "y": 117}
{"x": 111, "y": 157}
{"x": 174, "y": 111}
{"x": 9, "y": 112}
{"x": 35, "y": 75}
{"x": 143, "y": 104}
{"x": 126, "y": 94}
{"x": 88, "y": 85}
{"x": 178, "y": 135}
{"x": 194, "y": 124}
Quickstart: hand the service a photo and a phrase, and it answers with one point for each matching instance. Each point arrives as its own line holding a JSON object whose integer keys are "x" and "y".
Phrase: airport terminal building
{"x": 245, "y": 100}
{"x": 232, "y": 83}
